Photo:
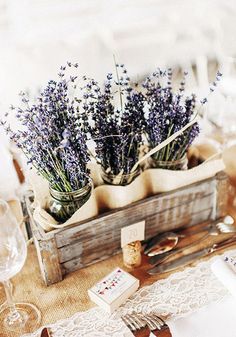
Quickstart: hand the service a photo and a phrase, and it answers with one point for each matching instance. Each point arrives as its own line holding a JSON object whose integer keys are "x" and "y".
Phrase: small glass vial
{"x": 132, "y": 254}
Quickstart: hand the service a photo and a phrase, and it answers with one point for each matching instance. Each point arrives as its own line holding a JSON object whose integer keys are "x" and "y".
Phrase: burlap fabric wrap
{"x": 63, "y": 299}
{"x": 107, "y": 197}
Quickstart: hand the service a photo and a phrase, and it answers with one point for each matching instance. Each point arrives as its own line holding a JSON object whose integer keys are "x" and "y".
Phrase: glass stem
{"x": 14, "y": 315}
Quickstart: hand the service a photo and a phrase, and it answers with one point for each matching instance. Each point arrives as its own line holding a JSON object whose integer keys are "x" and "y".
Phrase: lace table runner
{"x": 174, "y": 297}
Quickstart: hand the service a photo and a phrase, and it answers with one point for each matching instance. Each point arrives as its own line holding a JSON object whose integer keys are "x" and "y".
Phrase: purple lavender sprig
{"x": 168, "y": 112}
{"x": 51, "y": 137}
{"x": 116, "y": 129}
{"x": 213, "y": 87}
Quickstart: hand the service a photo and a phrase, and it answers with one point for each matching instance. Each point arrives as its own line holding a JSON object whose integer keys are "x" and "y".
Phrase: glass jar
{"x": 64, "y": 204}
{"x": 122, "y": 180}
{"x": 176, "y": 165}
{"x": 132, "y": 254}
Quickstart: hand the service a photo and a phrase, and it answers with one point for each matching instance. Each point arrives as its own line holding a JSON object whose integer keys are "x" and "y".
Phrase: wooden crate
{"x": 62, "y": 251}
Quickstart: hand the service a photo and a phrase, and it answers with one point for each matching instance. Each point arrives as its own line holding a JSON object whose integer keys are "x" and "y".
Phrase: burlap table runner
{"x": 67, "y": 297}
{"x": 62, "y": 299}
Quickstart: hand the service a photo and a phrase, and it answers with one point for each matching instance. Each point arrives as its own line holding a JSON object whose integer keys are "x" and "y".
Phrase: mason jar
{"x": 176, "y": 165}
{"x": 122, "y": 180}
{"x": 64, "y": 204}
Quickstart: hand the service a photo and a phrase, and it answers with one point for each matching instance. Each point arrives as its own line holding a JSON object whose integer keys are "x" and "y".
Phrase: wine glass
{"x": 2, "y": 303}
{"x": 20, "y": 317}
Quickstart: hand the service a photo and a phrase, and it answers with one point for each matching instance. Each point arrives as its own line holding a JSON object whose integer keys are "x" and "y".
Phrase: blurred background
{"x": 37, "y": 36}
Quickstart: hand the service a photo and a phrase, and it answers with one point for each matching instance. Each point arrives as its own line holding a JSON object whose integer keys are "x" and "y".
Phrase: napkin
{"x": 214, "y": 320}
{"x": 223, "y": 269}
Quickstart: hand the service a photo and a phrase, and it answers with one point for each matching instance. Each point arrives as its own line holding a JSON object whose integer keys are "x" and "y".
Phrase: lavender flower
{"x": 168, "y": 112}
{"x": 51, "y": 137}
{"x": 116, "y": 130}
{"x": 213, "y": 86}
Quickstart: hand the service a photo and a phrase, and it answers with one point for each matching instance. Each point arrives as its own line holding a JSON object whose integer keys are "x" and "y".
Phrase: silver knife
{"x": 186, "y": 259}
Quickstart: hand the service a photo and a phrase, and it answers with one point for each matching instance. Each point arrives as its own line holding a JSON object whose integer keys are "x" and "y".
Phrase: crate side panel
{"x": 182, "y": 215}
{"x": 104, "y": 251}
{"x": 48, "y": 261}
{"x": 136, "y": 212}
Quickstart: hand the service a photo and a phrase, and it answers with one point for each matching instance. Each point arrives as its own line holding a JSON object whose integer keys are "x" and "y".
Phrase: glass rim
{"x": 137, "y": 170}
{"x": 172, "y": 162}
{"x": 88, "y": 185}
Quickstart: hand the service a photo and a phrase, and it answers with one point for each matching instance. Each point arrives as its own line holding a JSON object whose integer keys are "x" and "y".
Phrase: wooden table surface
{"x": 65, "y": 298}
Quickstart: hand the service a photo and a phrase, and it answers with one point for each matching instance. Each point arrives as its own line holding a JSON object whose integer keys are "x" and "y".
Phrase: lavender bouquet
{"x": 167, "y": 113}
{"x": 51, "y": 137}
{"x": 117, "y": 114}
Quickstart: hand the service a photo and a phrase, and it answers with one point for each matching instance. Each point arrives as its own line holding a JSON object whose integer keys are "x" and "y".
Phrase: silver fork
{"x": 226, "y": 226}
{"x": 137, "y": 321}
{"x": 221, "y": 227}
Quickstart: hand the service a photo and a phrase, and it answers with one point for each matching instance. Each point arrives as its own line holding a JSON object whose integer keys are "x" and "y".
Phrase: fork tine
{"x": 151, "y": 323}
{"x": 149, "y": 318}
{"x": 133, "y": 320}
{"x": 139, "y": 317}
{"x": 129, "y": 323}
{"x": 225, "y": 228}
{"x": 157, "y": 320}
{"x": 220, "y": 224}
{"x": 136, "y": 321}
{"x": 160, "y": 320}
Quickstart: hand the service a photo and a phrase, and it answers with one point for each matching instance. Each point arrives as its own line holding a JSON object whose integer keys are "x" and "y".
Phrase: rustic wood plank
{"x": 77, "y": 263}
{"x": 37, "y": 231}
{"x": 48, "y": 261}
{"x": 124, "y": 219}
{"x": 62, "y": 251}
{"x": 159, "y": 222}
{"x": 138, "y": 210}
{"x": 99, "y": 248}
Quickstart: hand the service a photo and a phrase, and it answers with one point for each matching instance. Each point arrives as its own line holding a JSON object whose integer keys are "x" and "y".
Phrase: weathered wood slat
{"x": 183, "y": 215}
{"x": 111, "y": 243}
{"x": 49, "y": 261}
{"x": 77, "y": 263}
{"x": 62, "y": 251}
{"x": 138, "y": 210}
{"x": 84, "y": 261}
